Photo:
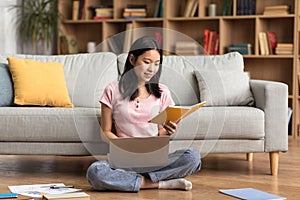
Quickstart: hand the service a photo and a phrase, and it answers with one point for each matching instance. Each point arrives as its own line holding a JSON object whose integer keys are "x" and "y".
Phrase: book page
{"x": 175, "y": 113}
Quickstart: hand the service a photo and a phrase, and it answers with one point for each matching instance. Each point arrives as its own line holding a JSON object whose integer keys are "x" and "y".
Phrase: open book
{"x": 175, "y": 113}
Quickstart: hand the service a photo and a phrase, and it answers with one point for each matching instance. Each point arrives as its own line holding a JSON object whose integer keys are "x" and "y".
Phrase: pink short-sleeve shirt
{"x": 131, "y": 117}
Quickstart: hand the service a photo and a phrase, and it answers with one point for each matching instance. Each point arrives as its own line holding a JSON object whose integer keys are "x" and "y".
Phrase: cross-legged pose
{"x": 129, "y": 104}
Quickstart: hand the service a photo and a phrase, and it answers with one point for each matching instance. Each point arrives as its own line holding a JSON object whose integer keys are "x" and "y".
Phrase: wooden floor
{"x": 219, "y": 171}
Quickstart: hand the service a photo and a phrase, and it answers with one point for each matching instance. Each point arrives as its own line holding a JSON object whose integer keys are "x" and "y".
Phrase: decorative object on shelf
{"x": 277, "y": 10}
{"x": 91, "y": 46}
{"x": 38, "y": 23}
{"x": 212, "y": 10}
{"x": 68, "y": 44}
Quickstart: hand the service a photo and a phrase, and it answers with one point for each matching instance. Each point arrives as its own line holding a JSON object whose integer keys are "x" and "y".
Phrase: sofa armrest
{"x": 272, "y": 98}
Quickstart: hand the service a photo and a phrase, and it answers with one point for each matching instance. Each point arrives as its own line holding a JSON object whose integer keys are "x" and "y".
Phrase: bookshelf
{"x": 238, "y": 25}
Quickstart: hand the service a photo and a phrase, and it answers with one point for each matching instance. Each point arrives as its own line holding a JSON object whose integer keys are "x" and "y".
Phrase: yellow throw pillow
{"x": 39, "y": 83}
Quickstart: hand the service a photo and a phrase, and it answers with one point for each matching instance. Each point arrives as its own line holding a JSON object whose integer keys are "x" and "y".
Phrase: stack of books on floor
{"x": 187, "y": 48}
{"x": 284, "y": 48}
{"x": 244, "y": 49}
{"x": 276, "y": 10}
{"x": 135, "y": 11}
{"x": 73, "y": 195}
{"x": 102, "y": 12}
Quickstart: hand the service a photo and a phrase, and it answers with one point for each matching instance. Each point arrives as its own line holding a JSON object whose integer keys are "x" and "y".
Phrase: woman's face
{"x": 146, "y": 65}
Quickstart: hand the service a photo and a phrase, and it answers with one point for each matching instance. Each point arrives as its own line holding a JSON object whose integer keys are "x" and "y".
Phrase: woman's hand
{"x": 169, "y": 129}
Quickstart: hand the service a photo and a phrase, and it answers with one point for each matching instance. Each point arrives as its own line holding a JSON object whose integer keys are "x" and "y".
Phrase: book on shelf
{"x": 65, "y": 196}
{"x": 127, "y": 38}
{"x": 135, "y": 11}
{"x": 263, "y": 43}
{"x": 251, "y": 193}
{"x": 75, "y": 12}
{"x": 102, "y": 12}
{"x": 290, "y": 112}
{"x": 267, "y": 42}
{"x": 211, "y": 42}
{"x": 284, "y": 49}
{"x": 187, "y": 48}
{"x": 298, "y": 81}
{"x": 78, "y": 10}
{"x": 245, "y": 7}
{"x": 175, "y": 113}
{"x": 242, "y": 48}
{"x": 158, "y": 9}
{"x": 227, "y": 7}
{"x": 115, "y": 45}
{"x": 190, "y": 8}
{"x": 276, "y": 10}
{"x": 158, "y": 36}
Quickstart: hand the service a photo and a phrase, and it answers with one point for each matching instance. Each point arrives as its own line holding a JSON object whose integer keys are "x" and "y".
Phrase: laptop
{"x": 139, "y": 153}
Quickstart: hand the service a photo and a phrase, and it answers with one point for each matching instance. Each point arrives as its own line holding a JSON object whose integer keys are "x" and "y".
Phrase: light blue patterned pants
{"x": 181, "y": 164}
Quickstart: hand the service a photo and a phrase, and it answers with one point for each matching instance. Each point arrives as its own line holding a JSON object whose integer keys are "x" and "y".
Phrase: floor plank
{"x": 219, "y": 171}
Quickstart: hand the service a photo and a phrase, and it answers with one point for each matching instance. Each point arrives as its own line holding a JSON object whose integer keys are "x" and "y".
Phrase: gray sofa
{"x": 242, "y": 115}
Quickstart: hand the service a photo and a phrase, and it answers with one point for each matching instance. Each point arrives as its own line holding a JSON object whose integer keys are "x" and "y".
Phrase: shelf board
{"x": 112, "y": 20}
{"x": 235, "y": 17}
{"x": 269, "y": 56}
{"x": 193, "y": 18}
{"x": 276, "y": 16}
{"x": 90, "y": 21}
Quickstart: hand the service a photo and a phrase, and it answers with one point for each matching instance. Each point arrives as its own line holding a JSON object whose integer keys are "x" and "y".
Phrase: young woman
{"x": 130, "y": 104}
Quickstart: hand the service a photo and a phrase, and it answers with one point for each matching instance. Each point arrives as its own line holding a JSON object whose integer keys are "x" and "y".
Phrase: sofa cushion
{"x": 86, "y": 75}
{"x": 228, "y": 122}
{"x": 49, "y": 124}
{"x": 6, "y": 86}
{"x": 39, "y": 83}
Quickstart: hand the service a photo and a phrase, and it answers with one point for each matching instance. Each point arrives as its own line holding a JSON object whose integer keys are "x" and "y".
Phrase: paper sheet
{"x": 38, "y": 190}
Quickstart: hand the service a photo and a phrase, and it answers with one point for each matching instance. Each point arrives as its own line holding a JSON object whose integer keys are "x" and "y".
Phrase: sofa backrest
{"x": 86, "y": 75}
{"x": 178, "y": 72}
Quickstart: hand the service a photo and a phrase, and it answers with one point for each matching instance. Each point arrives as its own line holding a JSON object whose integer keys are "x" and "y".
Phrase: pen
{"x": 63, "y": 186}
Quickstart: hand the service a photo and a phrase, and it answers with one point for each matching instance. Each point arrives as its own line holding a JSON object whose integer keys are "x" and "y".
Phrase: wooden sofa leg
{"x": 250, "y": 157}
{"x": 274, "y": 161}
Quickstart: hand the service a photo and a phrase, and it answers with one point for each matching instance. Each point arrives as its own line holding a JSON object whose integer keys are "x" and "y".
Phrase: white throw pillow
{"x": 224, "y": 87}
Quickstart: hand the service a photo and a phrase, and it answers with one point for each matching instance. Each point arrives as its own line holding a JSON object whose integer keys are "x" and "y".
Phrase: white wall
{"x": 8, "y": 30}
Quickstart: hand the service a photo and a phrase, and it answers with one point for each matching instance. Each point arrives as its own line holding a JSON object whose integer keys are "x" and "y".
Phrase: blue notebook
{"x": 8, "y": 195}
{"x": 251, "y": 194}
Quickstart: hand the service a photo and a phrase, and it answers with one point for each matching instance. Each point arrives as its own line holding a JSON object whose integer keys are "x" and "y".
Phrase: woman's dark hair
{"x": 128, "y": 84}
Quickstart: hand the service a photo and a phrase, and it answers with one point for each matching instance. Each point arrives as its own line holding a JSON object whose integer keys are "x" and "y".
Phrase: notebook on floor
{"x": 138, "y": 152}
